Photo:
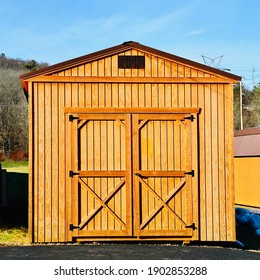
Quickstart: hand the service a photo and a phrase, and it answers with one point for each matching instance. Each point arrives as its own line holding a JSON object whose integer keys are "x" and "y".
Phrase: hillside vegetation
{"x": 13, "y": 107}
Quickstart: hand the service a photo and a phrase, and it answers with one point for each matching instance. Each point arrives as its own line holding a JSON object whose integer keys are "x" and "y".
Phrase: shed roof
{"x": 125, "y": 47}
{"x": 247, "y": 142}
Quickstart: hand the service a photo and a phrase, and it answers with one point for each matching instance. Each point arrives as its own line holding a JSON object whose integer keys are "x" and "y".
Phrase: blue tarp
{"x": 248, "y": 228}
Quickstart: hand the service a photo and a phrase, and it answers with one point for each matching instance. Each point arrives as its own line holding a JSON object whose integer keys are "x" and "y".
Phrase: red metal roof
{"x": 248, "y": 131}
{"x": 247, "y": 142}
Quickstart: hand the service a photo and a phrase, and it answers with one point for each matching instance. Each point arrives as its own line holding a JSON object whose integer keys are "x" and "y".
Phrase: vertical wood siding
{"x": 51, "y": 193}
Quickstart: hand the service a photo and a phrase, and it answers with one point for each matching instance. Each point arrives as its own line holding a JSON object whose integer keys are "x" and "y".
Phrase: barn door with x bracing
{"x": 162, "y": 175}
{"x": 131, "y": 175}
{"x": 101, "y": 196}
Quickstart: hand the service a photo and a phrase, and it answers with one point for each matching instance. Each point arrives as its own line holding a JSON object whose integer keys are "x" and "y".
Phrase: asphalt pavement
{"x": 125, "y": 251}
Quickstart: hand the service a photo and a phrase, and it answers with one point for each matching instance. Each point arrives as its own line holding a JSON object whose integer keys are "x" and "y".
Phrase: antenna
{"x": 214, "y": 62}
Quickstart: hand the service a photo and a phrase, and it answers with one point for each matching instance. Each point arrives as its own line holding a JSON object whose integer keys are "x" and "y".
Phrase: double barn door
{"x": 131, "y": 175}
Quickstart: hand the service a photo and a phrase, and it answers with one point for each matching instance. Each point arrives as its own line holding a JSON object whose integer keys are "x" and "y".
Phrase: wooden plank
{"x": 103, "y": 181}
{"x": 103, "y": 117}
{"x": 177, "y": 167}
{"x": 148, "y": 65}
{"x": 62, "y": 164}
{"x": 128, "y": 194}
{"x": 111, "y": 159}
{"x": 140, "y": 72}
{"x": 143, "y": 161}
{"x": 136, "y": 167}
{"x": 181, "y": 70}
{"x": 150, "y": 181}
{"x": 164, "y": 166}
{"x": 181, "y": 95}
{"x": 129, "y": 95}
{"x": 229, "y": 142}
{"x": 154, "y": 66}
{"x": 54, "y": 163}
{"x": 202, "y": 164}
{"x": 75, "y": 198}
{"x": 168, "y": 95}
{"x": 108, "y": 234}
{"x": 208, "y": 163}
{"x": 136, "y": 95}
{"x": 41, "y": 164}
{"x": 157, "y": 166}
{"x": 115, "y": 95}
{"x": 36, "y": 161}
{"x": 170, "y": 167}
{"x": 115, "y": 71}
{"x": 108, "y": 66}
{"x": 195, "y": 180}
{"x": 164, "y": 233}
{"x": 121, "y": 95}
{"x": 68, "y": 163}
{"x": 155, "y": 238}
{"x": 124, "y": 79}
{"x": 137, "y": 110}
{"x": 187, "y": 191}
{"x": 48, "y": 162}
{"x": 90, "y": 166}
{"x": 161, "y": 173}
{"x": 97, "y": 167}
{"x": 101, "y": 67}
{"x": 221, "y": 167}
{"x": 94, "y": 95}
{"x": 215, "y": 163}
{"x": 32, "y": 120}
{"x": 75, "y": 188}
{"x": 101, "y": 95}
{"x": 101, "y": 173}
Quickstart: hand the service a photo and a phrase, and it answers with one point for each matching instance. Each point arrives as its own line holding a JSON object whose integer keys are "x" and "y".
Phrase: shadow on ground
{"x": 16, "y": 211}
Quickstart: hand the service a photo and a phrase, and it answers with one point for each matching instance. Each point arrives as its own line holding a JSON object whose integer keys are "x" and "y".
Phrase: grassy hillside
{"x": 16, "y": 166}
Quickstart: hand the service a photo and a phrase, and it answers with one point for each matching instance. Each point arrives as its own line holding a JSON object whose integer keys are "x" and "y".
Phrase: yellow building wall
{"x": 247, "y": 181}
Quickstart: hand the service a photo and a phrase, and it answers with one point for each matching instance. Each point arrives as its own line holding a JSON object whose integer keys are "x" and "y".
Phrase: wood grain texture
{"x": 99, "y": 88}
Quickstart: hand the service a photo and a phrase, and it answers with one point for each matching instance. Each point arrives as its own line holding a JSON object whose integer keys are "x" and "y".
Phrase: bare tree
{"x": 13, "y": 113}
{"x": 250, "y": 107}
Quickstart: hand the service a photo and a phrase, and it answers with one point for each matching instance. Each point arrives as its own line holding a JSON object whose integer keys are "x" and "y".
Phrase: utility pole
{"x": 253, "y": 76}
{"x": 241, "y": 107}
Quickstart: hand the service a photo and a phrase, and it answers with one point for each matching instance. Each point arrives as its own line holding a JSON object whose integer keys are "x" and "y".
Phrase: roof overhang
{"x": 118, "y": 49}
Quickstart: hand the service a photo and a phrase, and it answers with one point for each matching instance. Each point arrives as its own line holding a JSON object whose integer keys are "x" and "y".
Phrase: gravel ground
{"x": 125, "y": 252}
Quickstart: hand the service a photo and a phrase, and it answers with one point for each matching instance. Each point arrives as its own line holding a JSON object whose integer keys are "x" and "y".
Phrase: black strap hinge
{"x": 191, "y": 118}
{"x": 72, "y": 173}
{"x": 140, "y": 176}
{"x": 72, "y": 118}
{"x": 190, "y": 173}
{"x": 73, "y": 227}
{"x": 191, "y": 226}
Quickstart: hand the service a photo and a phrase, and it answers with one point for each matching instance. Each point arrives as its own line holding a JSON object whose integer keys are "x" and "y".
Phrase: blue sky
{"x": 53, "y": 31}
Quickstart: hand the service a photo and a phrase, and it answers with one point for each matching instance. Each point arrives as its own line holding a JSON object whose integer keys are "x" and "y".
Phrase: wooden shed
{"x": 246, "y": 167}
{"x": 130, "y": 143}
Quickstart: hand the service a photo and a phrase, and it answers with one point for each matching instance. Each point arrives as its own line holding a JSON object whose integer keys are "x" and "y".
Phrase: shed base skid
{"x": 134, "y": 239}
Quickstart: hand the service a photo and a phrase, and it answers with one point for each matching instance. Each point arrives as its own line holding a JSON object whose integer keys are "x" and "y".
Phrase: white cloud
{"x": 196, "y": 32}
